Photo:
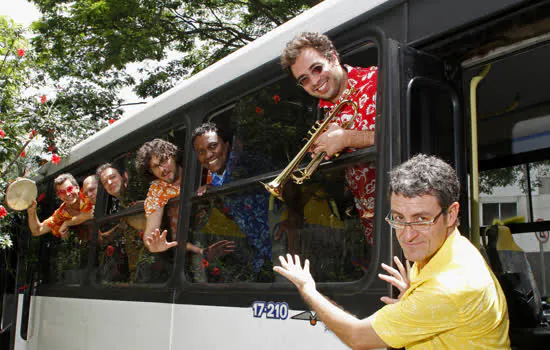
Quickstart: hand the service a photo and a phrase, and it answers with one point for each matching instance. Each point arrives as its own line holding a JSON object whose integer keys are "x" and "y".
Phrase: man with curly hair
{"x": 161, "y": 161}
{"x": 312, "y": 59}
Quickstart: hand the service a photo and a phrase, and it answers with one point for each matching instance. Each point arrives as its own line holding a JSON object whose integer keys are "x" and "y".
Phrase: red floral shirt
{"x": 61, "y": 214}
{"x": 360, "y": 177}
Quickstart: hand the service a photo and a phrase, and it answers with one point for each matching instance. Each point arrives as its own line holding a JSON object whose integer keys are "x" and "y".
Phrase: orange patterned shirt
{"x": 61, "y": 214}
{"x": 160, "y": 192}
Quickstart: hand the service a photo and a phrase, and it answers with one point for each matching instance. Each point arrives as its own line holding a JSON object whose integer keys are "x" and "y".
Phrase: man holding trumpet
{"x": 312, "y": 59}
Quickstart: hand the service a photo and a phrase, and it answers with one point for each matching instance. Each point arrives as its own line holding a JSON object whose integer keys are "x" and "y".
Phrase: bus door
{"x": 426, "y": 112}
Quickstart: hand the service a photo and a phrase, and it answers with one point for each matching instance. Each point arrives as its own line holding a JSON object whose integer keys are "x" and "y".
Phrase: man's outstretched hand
{"x": 292, "y": 269}
{"x": 156, "y": 241}
{"x": 220, "y": 248}
{"x": 399, "y": 279}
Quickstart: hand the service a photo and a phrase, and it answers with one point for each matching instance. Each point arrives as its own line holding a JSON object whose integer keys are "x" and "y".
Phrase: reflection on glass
{"x": 68, "y": 258}
{"x": 319, "y": 222}
{"x": 122, "y": 257}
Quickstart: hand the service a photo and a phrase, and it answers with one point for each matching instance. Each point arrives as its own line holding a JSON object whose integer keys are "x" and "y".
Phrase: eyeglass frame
{"x": 419, "y": 226}
{"x": 312, "y": 74}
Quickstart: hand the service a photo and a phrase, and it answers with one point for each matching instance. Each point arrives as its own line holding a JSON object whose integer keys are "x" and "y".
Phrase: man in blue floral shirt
{"x": 249, "y": 210}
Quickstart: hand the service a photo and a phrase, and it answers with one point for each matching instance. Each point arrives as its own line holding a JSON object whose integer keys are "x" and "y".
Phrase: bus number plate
{"x": 273, "y": 310}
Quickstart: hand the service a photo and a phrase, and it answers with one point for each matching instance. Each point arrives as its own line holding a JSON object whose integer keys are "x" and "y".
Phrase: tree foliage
{"x": 41, "y": 117}
{"x": 514, "y": 176}
{"x": 96, "y": 38}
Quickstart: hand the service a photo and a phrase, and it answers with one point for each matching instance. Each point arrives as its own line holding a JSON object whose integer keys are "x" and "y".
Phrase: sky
{"x": 21, "y": 11}
{"x": 24, "y": 12}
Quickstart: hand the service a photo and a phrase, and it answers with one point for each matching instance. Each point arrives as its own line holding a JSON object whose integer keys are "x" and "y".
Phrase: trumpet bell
{"x": 275, "y": 188}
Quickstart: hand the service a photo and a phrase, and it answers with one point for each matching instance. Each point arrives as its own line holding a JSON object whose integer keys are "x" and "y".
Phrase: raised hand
{"x": 292, "y": 269}
{"x": 399, "y": 279}
{"x": 156, "y": 241}
{"x": 219, "y": 248}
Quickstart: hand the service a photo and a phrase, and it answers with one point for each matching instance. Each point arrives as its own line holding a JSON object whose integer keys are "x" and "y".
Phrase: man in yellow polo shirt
{"x": 453, "y": 300}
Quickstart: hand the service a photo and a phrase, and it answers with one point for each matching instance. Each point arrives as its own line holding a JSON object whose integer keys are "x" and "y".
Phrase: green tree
{"x": 95, "y": 39}
{"x": 41, "y": 117}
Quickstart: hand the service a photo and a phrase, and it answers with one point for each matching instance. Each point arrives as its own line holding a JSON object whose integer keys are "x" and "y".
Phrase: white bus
{"x": 84, "y": 293}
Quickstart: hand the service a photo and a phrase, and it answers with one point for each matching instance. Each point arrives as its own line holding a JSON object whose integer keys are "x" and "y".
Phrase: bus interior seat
{"x": 529, "y": 328}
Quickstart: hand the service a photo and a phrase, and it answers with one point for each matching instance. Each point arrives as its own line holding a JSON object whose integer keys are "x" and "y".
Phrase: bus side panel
{"x": 88, "y": 324}
{"x": 208, "y": 327}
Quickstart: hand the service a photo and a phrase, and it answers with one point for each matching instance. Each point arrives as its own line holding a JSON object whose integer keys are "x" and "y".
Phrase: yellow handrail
{"x": 474, "y": 174}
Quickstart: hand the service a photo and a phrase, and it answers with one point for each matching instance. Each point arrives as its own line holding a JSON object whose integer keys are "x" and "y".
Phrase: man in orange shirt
{"x": 75, "y": 209}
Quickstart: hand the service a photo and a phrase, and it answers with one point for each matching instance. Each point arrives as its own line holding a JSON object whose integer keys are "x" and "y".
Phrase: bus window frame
{"x": 376, "y": 39}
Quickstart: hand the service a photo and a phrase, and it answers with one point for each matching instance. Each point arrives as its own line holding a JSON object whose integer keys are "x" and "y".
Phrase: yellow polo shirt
{"x": 454, "y": 302}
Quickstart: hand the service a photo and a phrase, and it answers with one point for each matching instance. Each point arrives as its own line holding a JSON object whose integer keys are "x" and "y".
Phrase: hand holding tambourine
{"x": 21, "y": 194}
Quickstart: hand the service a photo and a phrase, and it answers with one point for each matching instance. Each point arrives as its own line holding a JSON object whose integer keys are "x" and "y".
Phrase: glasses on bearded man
{"x": 315, "y": 71}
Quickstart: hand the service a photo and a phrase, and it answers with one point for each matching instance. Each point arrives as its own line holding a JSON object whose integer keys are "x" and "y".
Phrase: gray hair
{"x": 58, "y": 181}
{"x": 426, "y": 175}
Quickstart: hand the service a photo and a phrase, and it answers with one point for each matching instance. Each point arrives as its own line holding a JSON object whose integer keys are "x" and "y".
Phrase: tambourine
{"x": 20, "y": 193}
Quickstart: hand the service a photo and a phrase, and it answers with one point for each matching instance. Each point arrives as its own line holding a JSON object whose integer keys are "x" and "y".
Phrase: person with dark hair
{"x": 75, "y": 209}
{"x": 312, "y": 59}
{"x": 161, "y": 160}
{"x": 249, "y": 210}
{"x": 449, "y": 299}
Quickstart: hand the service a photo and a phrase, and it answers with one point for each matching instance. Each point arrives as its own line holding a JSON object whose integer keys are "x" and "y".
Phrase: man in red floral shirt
{"x": 75, "y": 209}
{"x": 312, "y": 59}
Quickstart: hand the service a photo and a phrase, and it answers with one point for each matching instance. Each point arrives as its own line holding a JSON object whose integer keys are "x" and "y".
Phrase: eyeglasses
{"x": 66, "y": 191}
{"x": 315, "y": 71}
{"x": 418, "y": 226}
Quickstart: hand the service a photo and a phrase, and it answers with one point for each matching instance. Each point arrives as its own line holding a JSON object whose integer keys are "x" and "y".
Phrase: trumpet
{"x": 275, "y": 187}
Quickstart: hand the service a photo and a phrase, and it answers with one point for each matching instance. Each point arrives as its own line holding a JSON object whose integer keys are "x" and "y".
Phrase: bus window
{"x": 318, "y": 220}
{"x": 64, "y": 259}
{"x": 122, "y": 257}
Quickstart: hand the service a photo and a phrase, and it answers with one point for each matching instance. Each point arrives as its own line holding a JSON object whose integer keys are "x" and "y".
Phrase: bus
{"x": 461, "y": 80}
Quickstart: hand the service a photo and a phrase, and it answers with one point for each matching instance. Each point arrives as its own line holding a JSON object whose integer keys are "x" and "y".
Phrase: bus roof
{"x": 323, "y": 17}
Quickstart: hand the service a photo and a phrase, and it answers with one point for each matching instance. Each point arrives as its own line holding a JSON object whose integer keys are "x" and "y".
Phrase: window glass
{"x": 62, "y": 261}
{"x": 122, "y": 257}
{"x": 508, "y": 210}
{"x": 318, "y": 219}
{"x": 490, "y": 213}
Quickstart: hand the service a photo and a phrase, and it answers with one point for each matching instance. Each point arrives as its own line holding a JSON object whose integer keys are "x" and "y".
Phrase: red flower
{"x": 215, "y": 271}
{"x": 41, "y": 197}
{"x": 51, "y": 148}
{"x": 20, "y": 52}
{"x": 276, "y": 98}
{"x": 23, "y": 154}
{"x": 110, "y": 250}
{"x": 55, "y": 159}
{"x": 33, "y": 133}
{"x": 111, "y": 121}
{"x": 259, "y": 110}
{"x": 141, "y": 234}
{"x": 2, "y": 133}
{"x": 43, "y": 99}
{"x": 205, "y": 263}
{"x": 3, "y": 211}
